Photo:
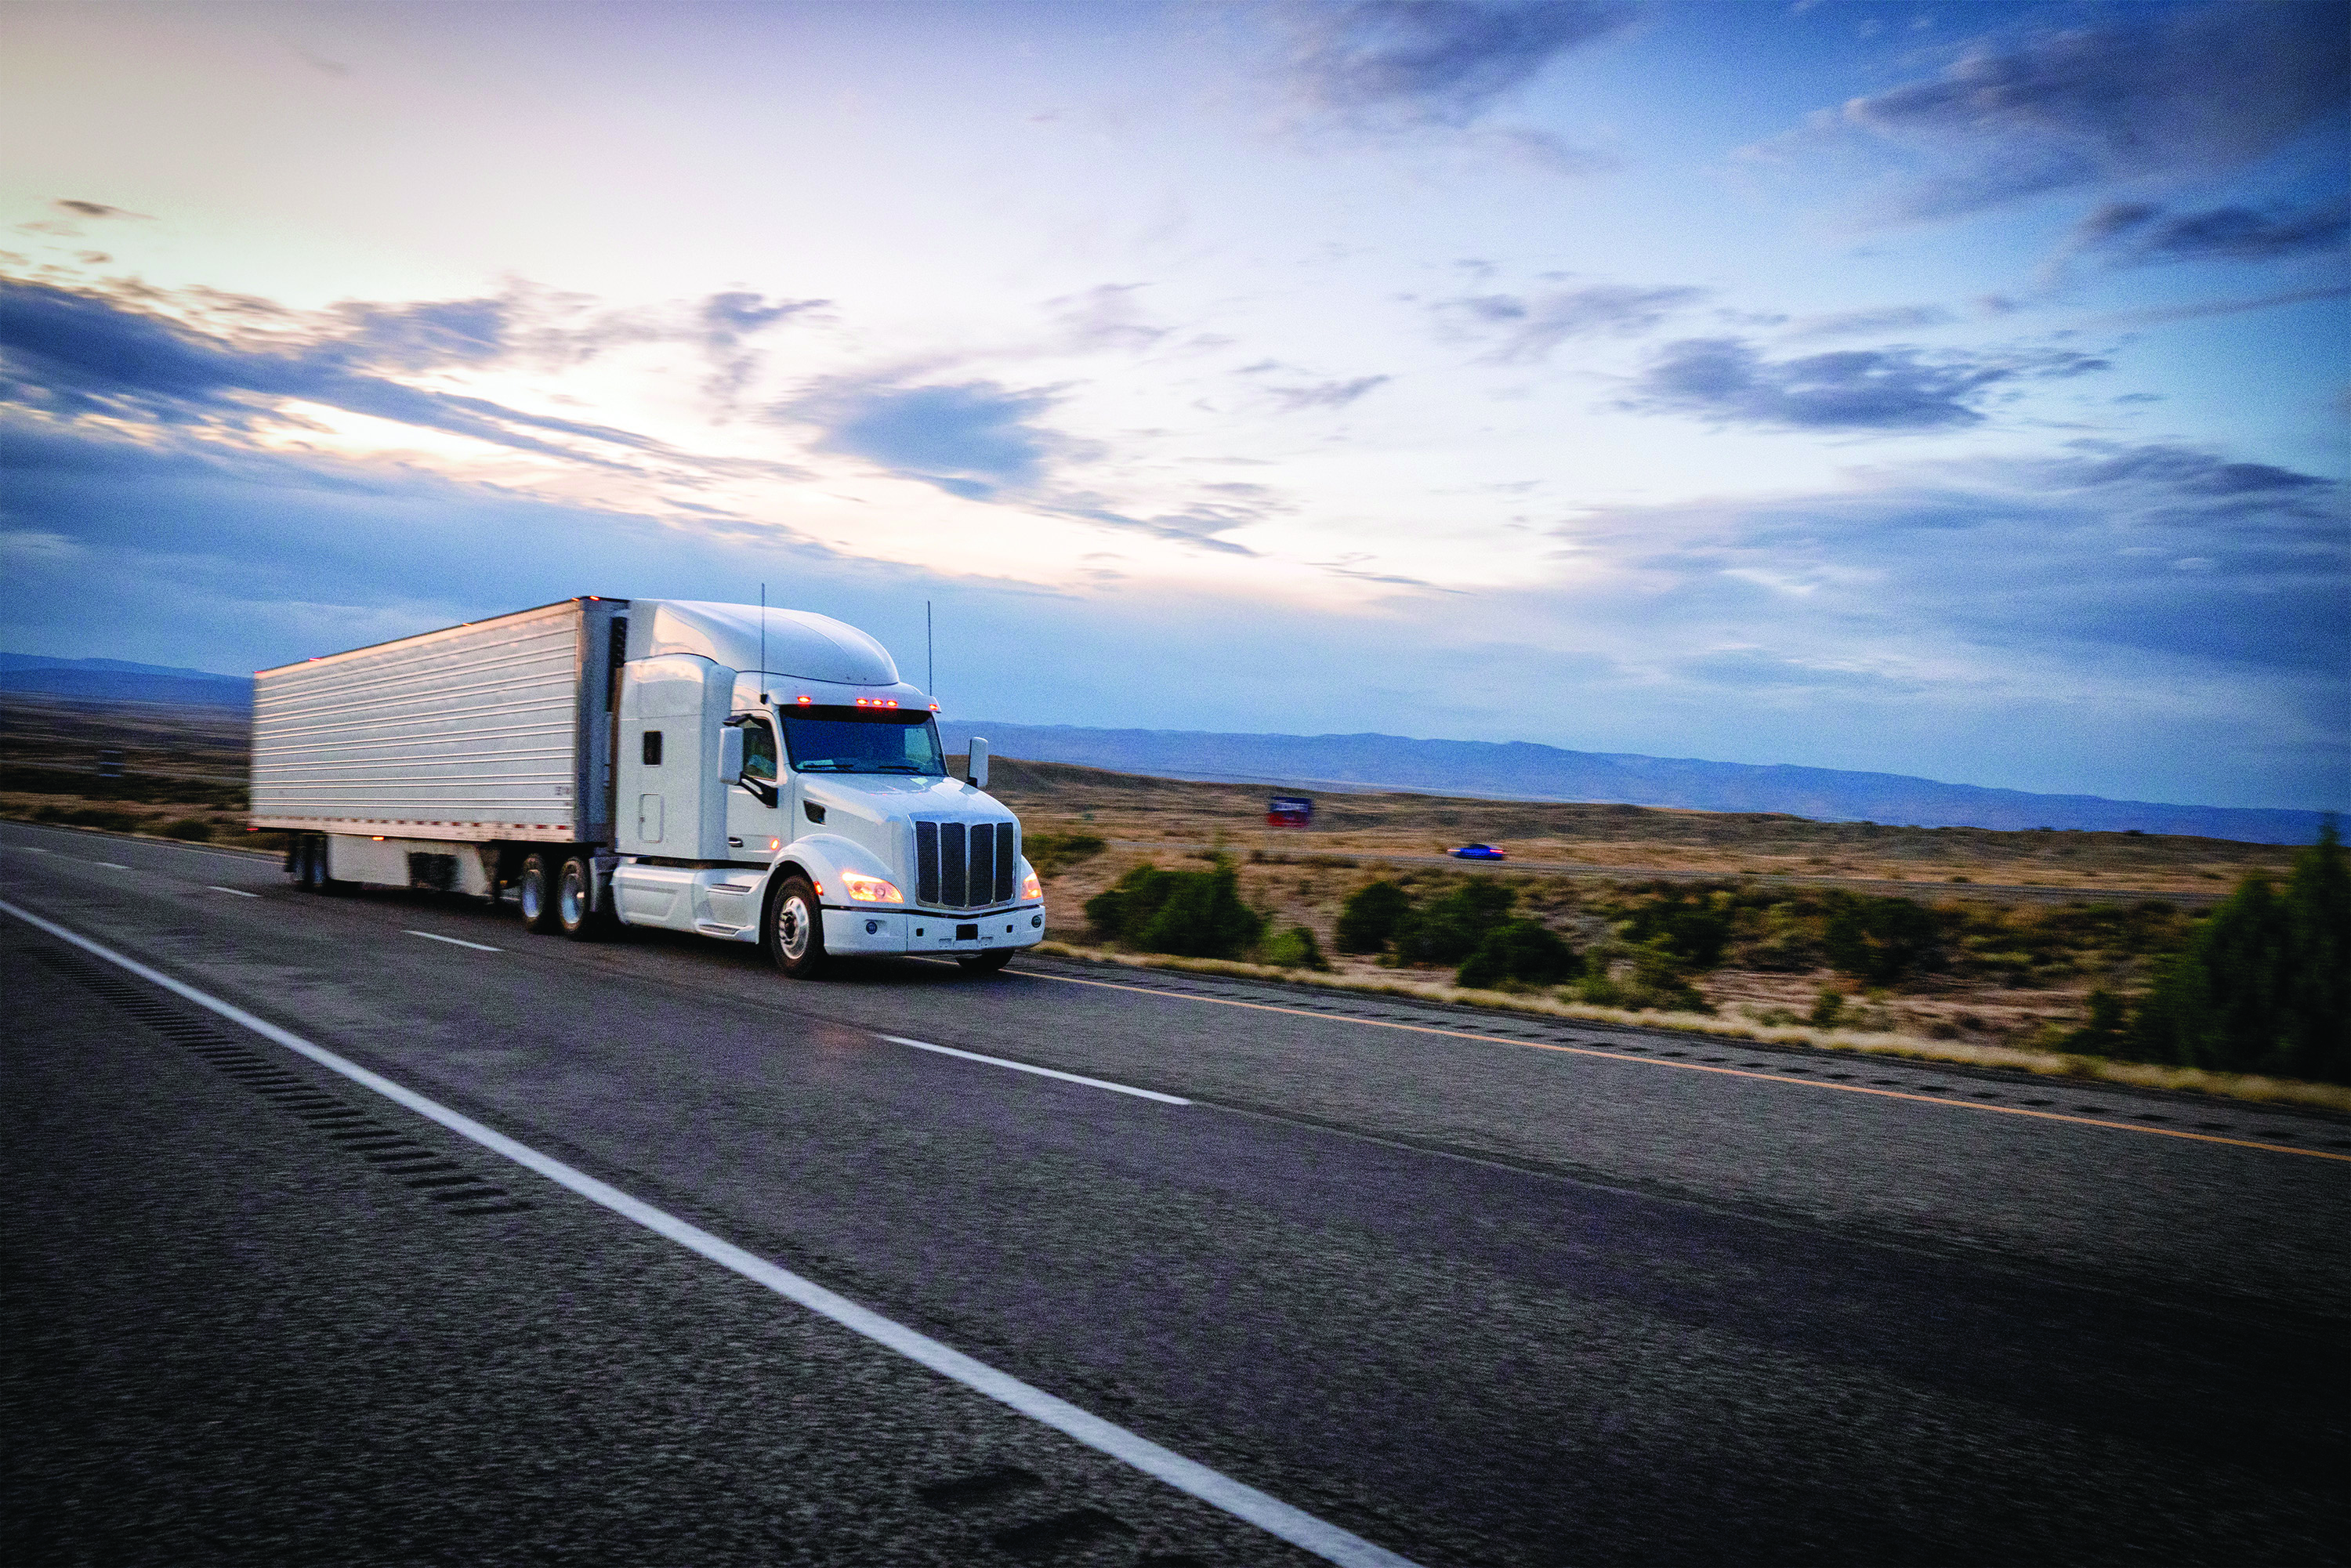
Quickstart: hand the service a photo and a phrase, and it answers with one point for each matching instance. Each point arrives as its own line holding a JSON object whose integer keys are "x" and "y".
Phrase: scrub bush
{"x": 1523, "y": 951}
{"x": 1295, "y": 948}
{"x": 2265, "y": 985}
{"x": 195, "y": 830}
{"x": 1192, "y": 913}
{"x": 1052, "y": 854}
{"x": 1368, "y": 920}
{"x": 1880, "y": 940}
{"x": 1694, "y": 927}
{"x": 1446, "y": 930}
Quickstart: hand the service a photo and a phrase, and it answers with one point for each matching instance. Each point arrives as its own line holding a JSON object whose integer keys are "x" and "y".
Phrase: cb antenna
{"x": 763, "y": 641}
{"x": 930, "y": 664}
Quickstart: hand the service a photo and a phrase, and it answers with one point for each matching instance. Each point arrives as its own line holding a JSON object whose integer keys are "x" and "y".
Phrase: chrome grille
{"x": 961, "y": 866}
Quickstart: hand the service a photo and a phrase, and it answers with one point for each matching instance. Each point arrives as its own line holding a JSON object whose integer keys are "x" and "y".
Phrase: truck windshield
{"x": 859, "y": 740}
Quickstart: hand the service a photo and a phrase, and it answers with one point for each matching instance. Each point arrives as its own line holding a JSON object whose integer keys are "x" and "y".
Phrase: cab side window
{"x": 759, "y": 750}
{"x": 652, "y": 748}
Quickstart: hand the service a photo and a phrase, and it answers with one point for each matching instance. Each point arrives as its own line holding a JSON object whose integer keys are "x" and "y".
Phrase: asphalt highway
{"x": 1468, "y": 1288}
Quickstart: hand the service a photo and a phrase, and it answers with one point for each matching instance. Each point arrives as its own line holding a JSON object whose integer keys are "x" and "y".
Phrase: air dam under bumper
{"x": 852, "y": 930}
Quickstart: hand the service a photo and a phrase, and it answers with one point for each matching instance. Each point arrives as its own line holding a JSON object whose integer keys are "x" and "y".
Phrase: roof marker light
{"x": 804, "y": 697}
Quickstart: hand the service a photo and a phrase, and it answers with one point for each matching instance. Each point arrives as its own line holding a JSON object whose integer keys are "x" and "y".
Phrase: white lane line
{"x": 32, "y": 850}
{"x": 1268, "y": 1513}
{"x": 111, "y": 866}
{"x": 235, "y": 892}
{"x": 1039, "y": 1072}
{"x": 455, "y": 941}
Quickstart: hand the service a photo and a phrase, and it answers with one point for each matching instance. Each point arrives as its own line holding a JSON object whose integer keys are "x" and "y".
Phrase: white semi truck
{"x": 756, "y": 775}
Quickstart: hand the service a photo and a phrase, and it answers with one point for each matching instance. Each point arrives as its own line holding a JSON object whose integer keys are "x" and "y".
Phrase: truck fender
{"x": 821, "y": 858}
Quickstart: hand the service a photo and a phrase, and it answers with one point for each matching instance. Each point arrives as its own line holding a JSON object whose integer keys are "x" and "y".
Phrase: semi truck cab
{"x": 777, "y": 782}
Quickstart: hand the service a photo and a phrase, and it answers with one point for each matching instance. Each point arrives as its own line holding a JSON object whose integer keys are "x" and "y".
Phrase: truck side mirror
{"x": 978, "y": 763}
{"x": 730, "y": 754}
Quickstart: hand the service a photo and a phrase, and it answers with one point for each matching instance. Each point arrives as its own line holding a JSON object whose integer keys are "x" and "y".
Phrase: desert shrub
{"x": 1880, "y": 940}
{"x": 1828, "y": 1009}
{"x": 1448, "y": 929}
{"x": 2102, "y": 1034}
{"x": 1368, "y": 920}
{"x": 1195, "y": 913}
{"x": 1295, "y": 948}
{"x": 1519, "y": 950}
{"x": 1694, "y": 926}
{"x": 1052, "y": 854}
{"x": 98, "y": 817}
{"x": 2264, "y": 986}
{"x": 194, "y": 830}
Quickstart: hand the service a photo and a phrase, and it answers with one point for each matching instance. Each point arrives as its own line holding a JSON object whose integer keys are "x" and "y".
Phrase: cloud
{"x": 1404, "y": 63}
{"x": 2178, "y": 93}
{"x": 1864, "y": 388}
{"x": 1105, "y": 318}
{"x": 2109, "y": 549}
{"x": 1326, "y": 394}
{"x": 94, "y": 209}
{"x": 728, "y": 320}
{"x": 974, "y": 439}
{"x": 1529, "y": 327}
{"x": 1860, "y": 323}
{"x": 2135, "y": 234}
{"x": 76, "y": 353}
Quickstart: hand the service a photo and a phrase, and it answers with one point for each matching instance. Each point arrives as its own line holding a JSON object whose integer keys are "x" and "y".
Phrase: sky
{"x": 1951, "y": 390}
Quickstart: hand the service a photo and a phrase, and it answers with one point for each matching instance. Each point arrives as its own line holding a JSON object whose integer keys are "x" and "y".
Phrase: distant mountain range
{"x": 118, "y": 680}
{"x": 1508, "y": 770}
{"x": 1520, "y": 770}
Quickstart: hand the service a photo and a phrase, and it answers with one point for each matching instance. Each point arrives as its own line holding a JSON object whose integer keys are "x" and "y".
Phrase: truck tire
{"x": 311, "y": 872}
{"x": 794, "y": 932}
{"x": 985, "y": 963}
{"x": 578, "y": 915}
{"x": 535, "y": 892}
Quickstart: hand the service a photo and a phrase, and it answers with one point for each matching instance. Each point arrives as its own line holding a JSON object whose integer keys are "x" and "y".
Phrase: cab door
{"x": 755, "y": 816}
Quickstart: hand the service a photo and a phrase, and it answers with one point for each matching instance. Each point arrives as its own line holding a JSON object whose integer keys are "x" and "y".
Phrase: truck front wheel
{"x": 535, "y": 892}
{"x": 577, "y": 912}
{"x": 796, "y": 929}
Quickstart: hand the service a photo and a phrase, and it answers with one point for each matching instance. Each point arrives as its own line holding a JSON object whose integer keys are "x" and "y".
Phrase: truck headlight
{"x": 869, "y": 889}
{"x": 1030, "y": 888}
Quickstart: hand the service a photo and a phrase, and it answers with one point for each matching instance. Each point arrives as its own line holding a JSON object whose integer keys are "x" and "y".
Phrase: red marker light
{"x": 935, "y": 707}
{"x": 804, "y": 697}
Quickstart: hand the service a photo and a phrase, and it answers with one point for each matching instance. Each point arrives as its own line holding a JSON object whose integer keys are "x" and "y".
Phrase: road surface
{"x": 1438, "y": 1287}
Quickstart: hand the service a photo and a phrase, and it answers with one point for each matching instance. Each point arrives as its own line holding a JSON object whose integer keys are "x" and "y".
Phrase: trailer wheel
{"x": 985, "y": 963}
{"x": 795, "y": 929}
{"x": 577, "y": 912}
{"x": 312, "y": 874}
{"x": 534, "y": 891}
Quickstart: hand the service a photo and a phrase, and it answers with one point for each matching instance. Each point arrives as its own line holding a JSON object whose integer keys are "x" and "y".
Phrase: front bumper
{"x": 850, "y": 931}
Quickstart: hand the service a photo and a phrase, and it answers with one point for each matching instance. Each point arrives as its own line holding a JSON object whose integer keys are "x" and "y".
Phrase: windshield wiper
{"x": 895, "y": 768}
{"x": 826, "y": 765}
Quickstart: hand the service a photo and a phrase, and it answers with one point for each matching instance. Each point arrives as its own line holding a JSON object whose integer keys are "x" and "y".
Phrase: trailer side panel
{"x": 496, "y": 730}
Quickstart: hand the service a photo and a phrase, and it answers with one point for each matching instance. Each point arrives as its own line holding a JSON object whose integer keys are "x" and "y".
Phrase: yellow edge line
{"x": 1702, "y": 1066}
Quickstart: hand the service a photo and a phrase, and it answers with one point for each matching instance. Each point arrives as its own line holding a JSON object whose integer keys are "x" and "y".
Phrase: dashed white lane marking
{"x": 233, "y": 892}
{"x": 32, "y": 850}
{"x": 111, "y": 866}
{"x": 453, "y": 941}
{"x": 1040, "y": 1071}
{"x": 1268, "y": 1513}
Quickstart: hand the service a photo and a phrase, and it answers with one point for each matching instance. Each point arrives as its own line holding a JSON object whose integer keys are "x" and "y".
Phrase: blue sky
{"x": 1950, "y": 390}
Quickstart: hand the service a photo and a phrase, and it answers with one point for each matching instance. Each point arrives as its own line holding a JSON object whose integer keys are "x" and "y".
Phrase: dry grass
{"x": 2042, "y": 1063}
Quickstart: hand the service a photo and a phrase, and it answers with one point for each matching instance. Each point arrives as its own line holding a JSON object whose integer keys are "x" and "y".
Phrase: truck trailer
{"x": 746, "y": 773}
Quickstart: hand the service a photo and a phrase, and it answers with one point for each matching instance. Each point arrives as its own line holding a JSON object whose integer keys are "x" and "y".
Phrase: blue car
{"x": 1477, "y": 853}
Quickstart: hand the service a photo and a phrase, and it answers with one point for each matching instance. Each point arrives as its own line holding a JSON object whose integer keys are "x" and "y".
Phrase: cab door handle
{"x": 734, "y": 843}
